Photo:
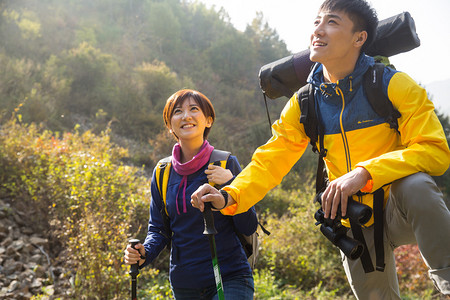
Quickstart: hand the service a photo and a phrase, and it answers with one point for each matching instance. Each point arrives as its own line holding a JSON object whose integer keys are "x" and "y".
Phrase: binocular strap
{"x": 378, "y": 200}
{"x": 365, "y": 256}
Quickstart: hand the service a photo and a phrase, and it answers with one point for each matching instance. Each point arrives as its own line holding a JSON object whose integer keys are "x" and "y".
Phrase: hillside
{"x": 114, "y": 63}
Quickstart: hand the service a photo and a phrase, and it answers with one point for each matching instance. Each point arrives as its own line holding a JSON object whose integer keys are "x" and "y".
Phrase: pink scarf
{"x": 190, "y": 167}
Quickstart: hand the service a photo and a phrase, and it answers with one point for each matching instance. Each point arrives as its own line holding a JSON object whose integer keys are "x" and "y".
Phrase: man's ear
{"x": 360, "y": 38}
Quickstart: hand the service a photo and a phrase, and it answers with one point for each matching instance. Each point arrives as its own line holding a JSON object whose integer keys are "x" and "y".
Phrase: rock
{"x": 38, "y": 241}
{"x": 18, "y": 220}
{"x": 3, "y": 228}
{"x": 7, "y": 241}
{"x": 18, "y": 244}
{"x": 10, "y": 268}
{"x": 13, "y": 286}
{"x": 40, "y": 271}
{"x": 12, "y": 253}
{"x": 29, "y": 248}
{"x": 37, "y": 283}
{"x": 37, "y": 258}
{"x": 24, "y": 268}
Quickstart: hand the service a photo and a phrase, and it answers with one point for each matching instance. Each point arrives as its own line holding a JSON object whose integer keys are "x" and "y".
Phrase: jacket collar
{"x": 348, "y": 84}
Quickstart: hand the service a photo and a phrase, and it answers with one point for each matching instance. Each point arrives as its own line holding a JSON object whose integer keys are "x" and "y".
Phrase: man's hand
{"x": 341, "y": 188}
{"x": 207, "y": 193}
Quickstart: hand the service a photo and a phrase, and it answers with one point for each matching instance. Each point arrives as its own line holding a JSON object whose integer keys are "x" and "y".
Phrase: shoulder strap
{"x": 162, "y": 178}
{"x": 378, "y": 100}
{"x": 313, "y": 130}
{"x": 219, "y": 156}
{"x": 308, "y": 117}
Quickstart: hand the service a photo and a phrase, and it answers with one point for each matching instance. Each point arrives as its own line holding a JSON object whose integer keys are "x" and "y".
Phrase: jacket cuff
{"x": 231, "y": 210}
{"x": 368, "y": 187}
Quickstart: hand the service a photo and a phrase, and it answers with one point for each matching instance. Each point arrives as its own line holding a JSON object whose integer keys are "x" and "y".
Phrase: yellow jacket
{"x": 354, "y": 136}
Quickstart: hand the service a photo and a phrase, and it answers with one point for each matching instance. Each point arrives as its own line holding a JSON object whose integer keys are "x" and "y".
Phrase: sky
{"x": 293, "y": 20}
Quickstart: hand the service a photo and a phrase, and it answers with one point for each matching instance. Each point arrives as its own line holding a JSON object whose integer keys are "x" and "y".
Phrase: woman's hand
{"x": 218, "y": 175}
{"x": 133, "y": 256}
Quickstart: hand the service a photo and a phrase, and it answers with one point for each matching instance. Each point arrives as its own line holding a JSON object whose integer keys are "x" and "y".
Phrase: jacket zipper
{"x": 343, "y": 135}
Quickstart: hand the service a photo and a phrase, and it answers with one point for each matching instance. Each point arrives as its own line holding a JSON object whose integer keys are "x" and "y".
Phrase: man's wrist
{"x": 225, "y": 198}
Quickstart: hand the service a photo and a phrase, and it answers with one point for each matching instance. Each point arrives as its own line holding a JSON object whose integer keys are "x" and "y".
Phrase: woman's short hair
{"x": 179, "y": 97}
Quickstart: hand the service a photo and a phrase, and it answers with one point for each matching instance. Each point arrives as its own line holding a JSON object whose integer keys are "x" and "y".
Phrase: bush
{"x": 296, "y": 252}
{"x": 85, "y": 196}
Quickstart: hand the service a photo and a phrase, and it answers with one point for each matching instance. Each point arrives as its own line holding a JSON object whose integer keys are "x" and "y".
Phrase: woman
{"x": 189, "y": 115}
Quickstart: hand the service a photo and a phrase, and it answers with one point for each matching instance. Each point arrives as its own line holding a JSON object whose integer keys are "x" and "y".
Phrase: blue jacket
{"x": 190, "y": 259}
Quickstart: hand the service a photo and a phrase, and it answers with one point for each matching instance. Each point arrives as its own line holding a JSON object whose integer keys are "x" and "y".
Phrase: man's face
{"x": 333, "y": 38}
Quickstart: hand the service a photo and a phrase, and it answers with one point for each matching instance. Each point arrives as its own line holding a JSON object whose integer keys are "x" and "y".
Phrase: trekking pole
{"x": 134, "y": 271}
{"x": 210, "y": 231}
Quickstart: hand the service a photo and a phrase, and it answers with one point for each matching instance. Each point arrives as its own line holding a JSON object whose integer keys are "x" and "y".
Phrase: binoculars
{"x": 334, "y": 231}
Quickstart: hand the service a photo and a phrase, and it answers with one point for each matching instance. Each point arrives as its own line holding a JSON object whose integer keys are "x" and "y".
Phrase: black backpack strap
{"x": 308, "y": 117}
{"x": 313, "y": 130}
{"x": 219, "y": 155}
{"x": 378, "y": 200}
{"x": 378, "y": 100}
{"x": 218, "y": 158}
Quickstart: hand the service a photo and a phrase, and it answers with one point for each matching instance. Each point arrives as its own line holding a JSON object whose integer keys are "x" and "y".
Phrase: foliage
{"x": 68, "y": 60}
{"x": 296, "y": 252}
{"x": 84, "y": 195}
{"x": 412, "y": 271}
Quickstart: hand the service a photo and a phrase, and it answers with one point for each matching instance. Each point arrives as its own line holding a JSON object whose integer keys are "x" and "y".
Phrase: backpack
{"x": 372, "y": 83}
{"x": 250, "y": 243}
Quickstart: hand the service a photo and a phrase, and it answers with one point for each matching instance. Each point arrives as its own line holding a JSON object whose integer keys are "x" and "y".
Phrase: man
{"x": 363, "y": 153}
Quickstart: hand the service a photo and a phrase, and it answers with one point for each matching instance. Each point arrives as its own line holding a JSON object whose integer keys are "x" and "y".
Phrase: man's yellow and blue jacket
{"x": 355, "y": 136}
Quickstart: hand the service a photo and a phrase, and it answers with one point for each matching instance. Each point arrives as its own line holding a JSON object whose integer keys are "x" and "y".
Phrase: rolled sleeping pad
{"x": 285, "y": 76}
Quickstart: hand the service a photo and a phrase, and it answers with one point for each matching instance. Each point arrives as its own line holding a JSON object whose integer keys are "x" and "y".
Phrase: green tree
{"x": 164, "y": 27}
{"x": 92, "y": 75}
{"x": 443, "y": 181}
{"x": 266, "y": 40}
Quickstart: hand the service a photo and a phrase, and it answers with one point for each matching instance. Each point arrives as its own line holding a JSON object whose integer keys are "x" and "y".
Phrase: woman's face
{"x": 188, "y": 122}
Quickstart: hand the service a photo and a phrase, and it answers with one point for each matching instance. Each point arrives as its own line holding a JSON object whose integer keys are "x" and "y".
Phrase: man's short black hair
{"x": 362, "y": 15}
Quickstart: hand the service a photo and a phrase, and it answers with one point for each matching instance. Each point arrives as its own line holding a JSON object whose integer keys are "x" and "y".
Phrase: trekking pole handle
{"x": 134, "y": 270}
{"x": 209, "y": 220}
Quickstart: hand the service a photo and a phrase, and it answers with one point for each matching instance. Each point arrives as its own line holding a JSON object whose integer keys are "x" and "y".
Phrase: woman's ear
{"x": 209, "y": 121}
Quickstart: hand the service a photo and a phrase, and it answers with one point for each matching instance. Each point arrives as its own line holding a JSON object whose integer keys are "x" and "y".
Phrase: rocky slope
{"x": 29, "y": 264}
